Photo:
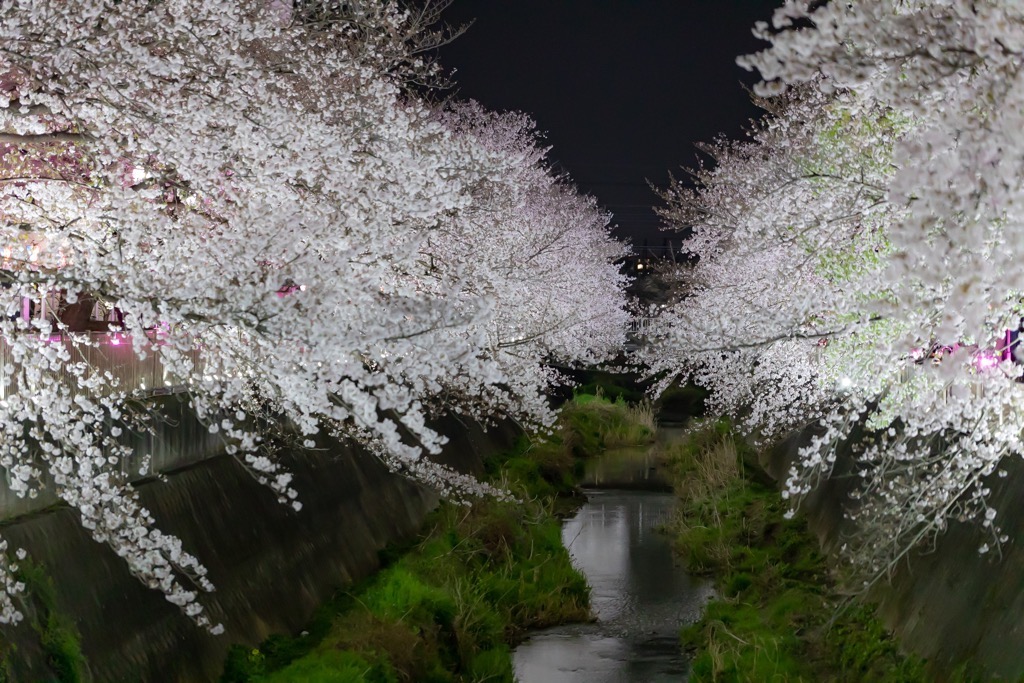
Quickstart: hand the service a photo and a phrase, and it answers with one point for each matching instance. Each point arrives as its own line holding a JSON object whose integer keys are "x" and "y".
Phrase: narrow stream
{"x": 640, "y": 596}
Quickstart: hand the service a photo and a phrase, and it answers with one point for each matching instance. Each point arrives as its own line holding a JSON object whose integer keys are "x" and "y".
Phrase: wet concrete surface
{"x": 640, "y": 596}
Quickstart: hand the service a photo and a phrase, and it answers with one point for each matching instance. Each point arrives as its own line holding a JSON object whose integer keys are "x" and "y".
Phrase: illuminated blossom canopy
{"x": 871, "y": 220}
{"x": 257, "y": 185}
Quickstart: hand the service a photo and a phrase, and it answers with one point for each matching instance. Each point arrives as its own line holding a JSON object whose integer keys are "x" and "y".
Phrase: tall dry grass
{"x": 705, "y": 461}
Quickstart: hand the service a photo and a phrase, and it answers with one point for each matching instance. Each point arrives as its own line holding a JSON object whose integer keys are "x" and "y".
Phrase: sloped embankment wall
{"x": 272, "y": 566}
{"x": 174, "y": 441}
{"x": 947, "y": 602}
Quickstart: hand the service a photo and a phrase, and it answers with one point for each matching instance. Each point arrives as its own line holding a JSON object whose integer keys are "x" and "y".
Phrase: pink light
{"x": 115, "y": 340}
{"x": 986, "y": 360}
{"x": 289, "y": 287}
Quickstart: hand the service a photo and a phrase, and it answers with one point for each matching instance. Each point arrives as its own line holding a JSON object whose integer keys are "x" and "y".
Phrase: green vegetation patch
{"x": 480, "y": 576}
{"x": 628, "y": 386}
{"x": 58, "y": 637}
{"x": 592, "y": 424}
{"x": 778, "y": 615}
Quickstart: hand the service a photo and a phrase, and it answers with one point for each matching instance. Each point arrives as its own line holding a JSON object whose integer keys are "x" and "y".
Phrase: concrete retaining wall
{"x": 177, "y": 440}
{"x": 272, "y": 567}
{"x": 947, "y": 603}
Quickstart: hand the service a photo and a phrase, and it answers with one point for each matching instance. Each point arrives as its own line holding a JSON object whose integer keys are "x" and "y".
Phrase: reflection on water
{"x": 640, "y": 598}
{"x": 626, "y": 468}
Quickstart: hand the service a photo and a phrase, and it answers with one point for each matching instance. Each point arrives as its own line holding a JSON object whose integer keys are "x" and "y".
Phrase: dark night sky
{"x": 623, "y": 88}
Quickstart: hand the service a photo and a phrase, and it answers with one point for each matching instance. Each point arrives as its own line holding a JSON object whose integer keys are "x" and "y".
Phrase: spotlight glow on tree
{"x": 872, "y": 219}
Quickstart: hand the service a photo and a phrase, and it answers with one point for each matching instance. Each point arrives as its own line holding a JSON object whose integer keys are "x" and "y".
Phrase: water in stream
{"x": 640, "y": 597}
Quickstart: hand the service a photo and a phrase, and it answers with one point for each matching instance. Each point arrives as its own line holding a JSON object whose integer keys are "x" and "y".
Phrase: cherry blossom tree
{"x": 786, "y": 230}
{"x": 527, "y": 243}
{"x": 953, "y": 70}
{"x": 256, "y": 184}
{"x": 878, "y": 208}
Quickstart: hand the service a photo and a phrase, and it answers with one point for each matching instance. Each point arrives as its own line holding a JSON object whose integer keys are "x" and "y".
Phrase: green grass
{"x": 778, "y": 614}
{"x": 58, "y": 637}
{"x": 628, "y": 387}
{"x": 593, "y": 424}
{"x": 446, "y": 610}
{"x": 478, "y": 578}
{"x": 334, "y": 667}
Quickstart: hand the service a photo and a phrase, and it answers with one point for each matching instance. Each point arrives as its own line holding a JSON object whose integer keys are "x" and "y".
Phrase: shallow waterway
{"x": 640, "y": 597}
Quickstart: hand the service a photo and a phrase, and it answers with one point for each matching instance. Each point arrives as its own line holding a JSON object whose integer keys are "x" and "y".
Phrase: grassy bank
{"x": 778, "y": 616}
{"x": 59, "y": 639}
{"x": 449, "y": 607}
